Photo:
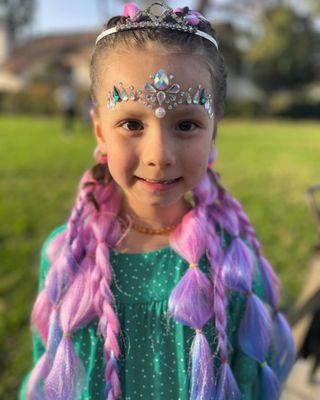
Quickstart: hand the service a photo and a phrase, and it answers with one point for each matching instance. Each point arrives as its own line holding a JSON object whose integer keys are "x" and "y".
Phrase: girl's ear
{"x": 98, "y": 131}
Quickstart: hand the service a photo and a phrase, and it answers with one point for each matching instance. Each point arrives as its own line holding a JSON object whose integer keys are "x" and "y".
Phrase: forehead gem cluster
{"x": 161, "y": 92}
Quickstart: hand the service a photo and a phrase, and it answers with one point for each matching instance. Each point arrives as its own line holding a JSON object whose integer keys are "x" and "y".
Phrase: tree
{"x": 203, "y": 5}
{"x": 18, "y": 14}
{"x": 283, "y": 56}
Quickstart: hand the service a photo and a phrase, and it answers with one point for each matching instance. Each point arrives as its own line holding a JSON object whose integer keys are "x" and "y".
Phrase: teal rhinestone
{"x": 202, "y": 97}
{"x": 116, "y": 94}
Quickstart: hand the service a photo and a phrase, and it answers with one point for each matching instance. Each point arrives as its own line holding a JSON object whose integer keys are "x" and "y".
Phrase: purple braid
{"x": 273, "y": 288}
{"x": 284, "y": 351}
{"x": 99, "y": 231}
{"x": 256, "y": 318}
{"x": 68, "y": 250}
{"x": 106, "y": 231}
{"x": 191, "y": 301}
{"x": 63, "y": 252}
{"x": 226, "y": 387}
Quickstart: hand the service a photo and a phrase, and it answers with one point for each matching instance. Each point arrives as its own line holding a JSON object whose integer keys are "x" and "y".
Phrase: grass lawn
{"x": 267, "y": 165}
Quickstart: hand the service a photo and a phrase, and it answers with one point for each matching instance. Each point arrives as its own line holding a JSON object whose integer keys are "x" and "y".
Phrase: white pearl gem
{"x": 160, "y": 112}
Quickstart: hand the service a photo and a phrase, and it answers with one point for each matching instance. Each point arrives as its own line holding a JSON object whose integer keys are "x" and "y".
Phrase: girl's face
{"x": 141, "y": 145}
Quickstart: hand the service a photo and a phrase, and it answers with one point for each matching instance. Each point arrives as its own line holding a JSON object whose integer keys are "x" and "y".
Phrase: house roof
{"x": 43, "y": 48}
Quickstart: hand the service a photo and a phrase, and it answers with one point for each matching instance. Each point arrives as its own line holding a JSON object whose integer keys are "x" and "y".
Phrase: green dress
{"x": 154, "y": 350}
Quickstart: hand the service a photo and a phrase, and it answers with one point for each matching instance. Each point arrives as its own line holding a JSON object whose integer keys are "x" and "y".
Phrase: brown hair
{"x": 170, "y": 41}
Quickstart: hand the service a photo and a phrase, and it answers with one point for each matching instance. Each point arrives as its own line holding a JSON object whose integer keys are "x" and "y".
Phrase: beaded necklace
{"x": 143, "y": 229}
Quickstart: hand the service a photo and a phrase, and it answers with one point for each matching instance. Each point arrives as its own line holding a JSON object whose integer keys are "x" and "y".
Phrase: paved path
{"x": 297, "y": 386}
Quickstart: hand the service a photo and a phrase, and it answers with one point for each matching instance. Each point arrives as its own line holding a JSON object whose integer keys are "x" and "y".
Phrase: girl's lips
{"x": 158, "y": 186}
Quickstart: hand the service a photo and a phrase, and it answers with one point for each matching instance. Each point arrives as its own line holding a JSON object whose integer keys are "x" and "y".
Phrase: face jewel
{"x": 161, "y": 97}
{"x": 131, "y": 94}
{"x": 123, "y": 93}
{"x": 189, "y": 99}
{"x": 160, "y": 112}
{"x": 160, "y": 91}
{"x": 202, "y": 97}
{"x": 161, "y": 80}
{"x": 174, "y": 89}
{"x": 111, "y": 103}
{"x": 149, "y": 88}
{"x": 116, "y": 94}
{"x": 196, "y": 97}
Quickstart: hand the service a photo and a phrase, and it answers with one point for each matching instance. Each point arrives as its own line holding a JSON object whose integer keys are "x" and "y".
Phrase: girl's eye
{"x": 131, "y": 123}
{"x": 185, "y": 124}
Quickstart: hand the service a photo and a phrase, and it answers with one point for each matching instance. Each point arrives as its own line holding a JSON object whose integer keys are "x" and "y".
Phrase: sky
{"x": 79, "y": 15}
{"x": 76, "y": 15}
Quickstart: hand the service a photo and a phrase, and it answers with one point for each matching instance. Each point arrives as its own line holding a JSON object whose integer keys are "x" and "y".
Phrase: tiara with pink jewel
{"x": 140, "y": 19}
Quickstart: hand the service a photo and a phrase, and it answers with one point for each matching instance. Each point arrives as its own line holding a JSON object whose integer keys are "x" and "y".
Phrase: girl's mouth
{"x": 159, "y": 185}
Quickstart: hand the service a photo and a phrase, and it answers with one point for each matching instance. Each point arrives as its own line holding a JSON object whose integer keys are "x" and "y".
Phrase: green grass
{"x": 267, "y": 165}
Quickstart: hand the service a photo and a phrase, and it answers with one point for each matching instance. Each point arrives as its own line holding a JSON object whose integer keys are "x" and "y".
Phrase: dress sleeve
{"x": 246, "y": 370}
{"x": 38, "y": 346}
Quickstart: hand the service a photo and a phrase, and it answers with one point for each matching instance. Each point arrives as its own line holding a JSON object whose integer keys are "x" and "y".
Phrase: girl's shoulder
{"x": 53, "y": 234}
{"x": 44, "y": 257}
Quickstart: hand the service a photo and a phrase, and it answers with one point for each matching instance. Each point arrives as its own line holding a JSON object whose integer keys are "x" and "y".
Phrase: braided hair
{"x": 77, "y": 287}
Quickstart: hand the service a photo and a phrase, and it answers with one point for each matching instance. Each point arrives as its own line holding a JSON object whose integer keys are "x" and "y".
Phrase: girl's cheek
{"x": 194, "y": 172}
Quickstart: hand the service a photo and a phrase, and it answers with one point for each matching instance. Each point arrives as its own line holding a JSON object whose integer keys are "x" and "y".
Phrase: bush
{"x": 36, "y": 99}
{"x": 248, "y": 108}
{"x": 294, "y": 104}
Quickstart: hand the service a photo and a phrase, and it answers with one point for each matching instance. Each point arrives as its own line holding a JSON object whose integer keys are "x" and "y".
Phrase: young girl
{"x": 156, "y": 287}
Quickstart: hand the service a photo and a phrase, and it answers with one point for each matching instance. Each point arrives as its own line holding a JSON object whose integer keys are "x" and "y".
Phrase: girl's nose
{"x": 159, "y": 149}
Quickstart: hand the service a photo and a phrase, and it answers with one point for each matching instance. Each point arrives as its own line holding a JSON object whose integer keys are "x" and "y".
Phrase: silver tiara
{"x": 151, "y": 20}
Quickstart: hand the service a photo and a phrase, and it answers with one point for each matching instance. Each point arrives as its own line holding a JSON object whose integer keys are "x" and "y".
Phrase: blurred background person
{"x": 66, "y": 99}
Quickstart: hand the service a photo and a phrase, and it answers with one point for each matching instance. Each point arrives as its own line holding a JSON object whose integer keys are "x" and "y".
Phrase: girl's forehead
{"x": 137, "y": 67}
{"x": 163, "y": 83}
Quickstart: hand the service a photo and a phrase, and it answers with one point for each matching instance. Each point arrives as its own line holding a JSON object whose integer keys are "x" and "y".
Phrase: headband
{"x": 147, "y": 19}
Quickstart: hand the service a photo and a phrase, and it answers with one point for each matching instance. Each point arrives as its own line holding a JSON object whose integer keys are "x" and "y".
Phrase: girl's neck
{"x": 137, "y": 242}
{"x": 155, "y": 216}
